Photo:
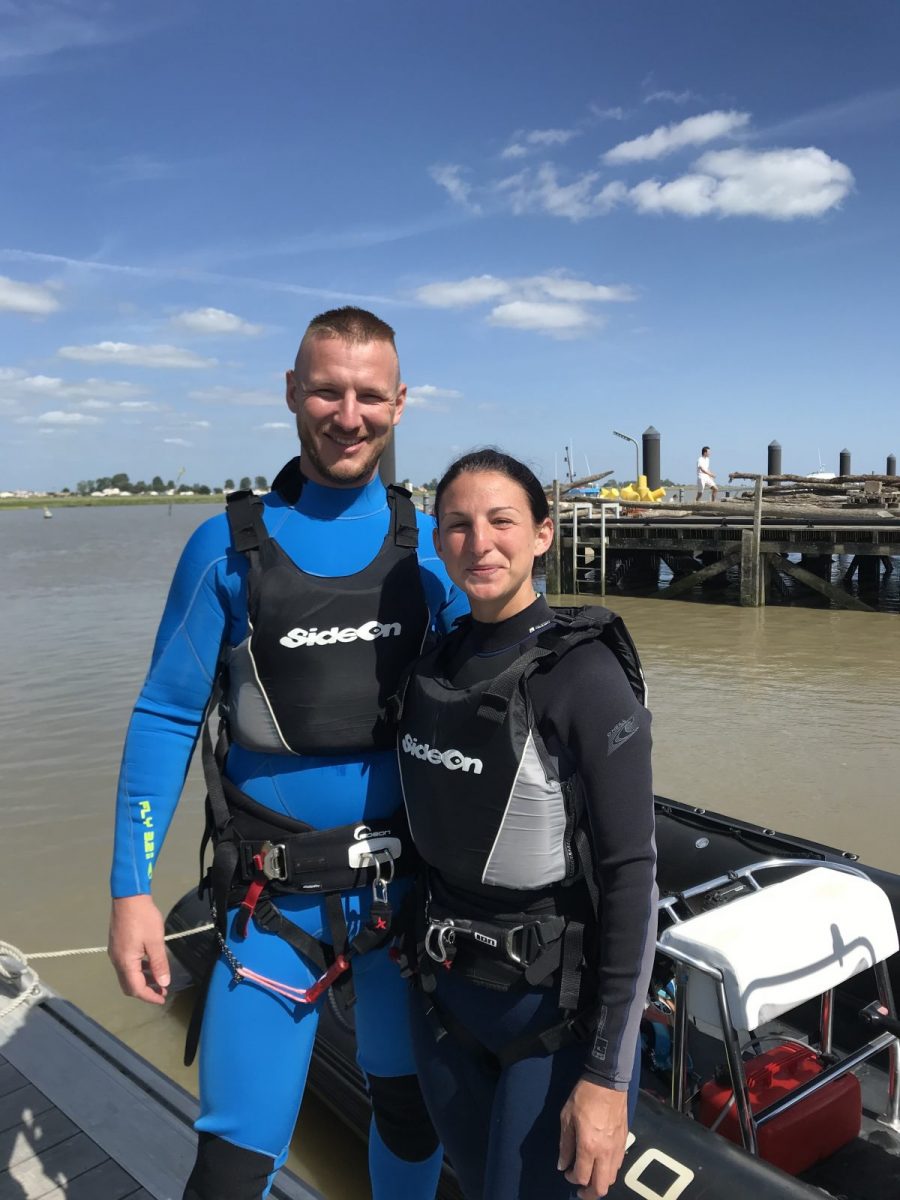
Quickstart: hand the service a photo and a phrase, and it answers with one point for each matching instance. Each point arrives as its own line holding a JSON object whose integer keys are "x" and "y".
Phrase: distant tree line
{"x": 85, "y": 487}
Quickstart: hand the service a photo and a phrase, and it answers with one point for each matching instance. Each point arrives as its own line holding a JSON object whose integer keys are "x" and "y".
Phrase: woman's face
{"x": 488, "y": 541}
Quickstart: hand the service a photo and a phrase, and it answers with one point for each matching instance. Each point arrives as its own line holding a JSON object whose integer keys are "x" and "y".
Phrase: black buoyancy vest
{"x": 323, "y": 655}
{"x": 484, "y": 802}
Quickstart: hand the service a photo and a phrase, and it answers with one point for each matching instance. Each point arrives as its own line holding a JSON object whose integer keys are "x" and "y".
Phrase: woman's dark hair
{"x": 491, "y": 459}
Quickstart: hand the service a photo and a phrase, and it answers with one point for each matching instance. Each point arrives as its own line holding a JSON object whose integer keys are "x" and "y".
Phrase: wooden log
{"x": 838, "y": 481}
{"x": 688, "y": 582}
{"x": 576, "y": 483}
{"x": 841, "y": 598}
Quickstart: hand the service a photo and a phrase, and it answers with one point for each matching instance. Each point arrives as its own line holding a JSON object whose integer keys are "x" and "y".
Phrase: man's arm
{"x": 161, "y": 737}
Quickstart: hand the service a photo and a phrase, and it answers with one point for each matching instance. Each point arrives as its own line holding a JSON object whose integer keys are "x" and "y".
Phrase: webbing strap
{"x": 404, "y": 527}
{"x": 244, "y": 511}
{"x": 495, "y": 701}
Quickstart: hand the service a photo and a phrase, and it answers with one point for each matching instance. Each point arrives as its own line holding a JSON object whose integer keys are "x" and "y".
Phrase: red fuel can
{"x": 804, "y": 1134}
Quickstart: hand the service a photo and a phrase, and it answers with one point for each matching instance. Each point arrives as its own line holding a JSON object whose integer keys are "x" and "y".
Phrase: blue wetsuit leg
{"x": 256, "y": 1047}
{"x": 500, "y": 1128}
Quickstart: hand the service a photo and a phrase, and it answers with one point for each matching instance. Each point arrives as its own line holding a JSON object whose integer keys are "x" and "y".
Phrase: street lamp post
{"x": 637, "y": 461}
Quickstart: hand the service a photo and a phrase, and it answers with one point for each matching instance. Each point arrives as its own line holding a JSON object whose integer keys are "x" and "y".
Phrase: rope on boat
{"x": 15, "y": 968}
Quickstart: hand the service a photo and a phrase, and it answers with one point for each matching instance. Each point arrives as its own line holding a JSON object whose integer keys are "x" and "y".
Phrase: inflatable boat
{"x": 771, "y": 1059}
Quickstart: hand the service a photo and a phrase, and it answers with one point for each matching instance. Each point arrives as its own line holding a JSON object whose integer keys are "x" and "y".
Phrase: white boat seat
{"x": 783, "y": 945}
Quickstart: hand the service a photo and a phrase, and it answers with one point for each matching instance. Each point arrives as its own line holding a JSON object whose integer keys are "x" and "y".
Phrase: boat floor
{"x": 82, "y": 1117}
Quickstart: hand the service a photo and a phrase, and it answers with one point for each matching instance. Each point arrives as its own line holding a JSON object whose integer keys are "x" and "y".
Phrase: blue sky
{"x": 578, "y": 217}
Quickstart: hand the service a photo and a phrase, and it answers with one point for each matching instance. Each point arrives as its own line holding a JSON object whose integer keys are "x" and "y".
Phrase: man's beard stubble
{"x": 359, "y": 477}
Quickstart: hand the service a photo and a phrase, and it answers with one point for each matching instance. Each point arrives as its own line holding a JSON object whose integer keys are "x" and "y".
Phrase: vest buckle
{"x": 274, "y": 861}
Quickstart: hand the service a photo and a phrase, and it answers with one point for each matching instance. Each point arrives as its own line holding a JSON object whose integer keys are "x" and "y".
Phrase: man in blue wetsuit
{"x": 298, "y": 614}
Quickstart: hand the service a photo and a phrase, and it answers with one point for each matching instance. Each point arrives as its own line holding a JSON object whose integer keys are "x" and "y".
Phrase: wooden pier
{"x": 82, "y": 1117}
{"x": 700, "y": 543}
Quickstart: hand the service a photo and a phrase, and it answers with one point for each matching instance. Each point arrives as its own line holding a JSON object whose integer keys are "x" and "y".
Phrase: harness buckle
{"x": 274, "y": 861}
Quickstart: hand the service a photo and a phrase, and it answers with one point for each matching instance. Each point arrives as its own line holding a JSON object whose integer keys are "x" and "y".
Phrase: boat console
{"x": 767, "y": 950}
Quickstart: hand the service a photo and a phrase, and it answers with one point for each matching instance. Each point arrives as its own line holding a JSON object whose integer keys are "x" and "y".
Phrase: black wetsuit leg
{"x": 500, "y": 1128}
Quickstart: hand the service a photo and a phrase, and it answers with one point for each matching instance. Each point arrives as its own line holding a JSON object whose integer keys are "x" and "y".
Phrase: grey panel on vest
{"x": 250, "y": 719}
{"x": 529, "y": 850}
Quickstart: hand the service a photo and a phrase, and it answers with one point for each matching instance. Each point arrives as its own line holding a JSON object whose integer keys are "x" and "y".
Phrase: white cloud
{"x": 97, "y": 404}
{"x": 449, "y": 176}
{"x": 554, "y": 304}
{"x": 607, "y": 114}
{"x": 463, "y": 292}
{"x": 138, "y": 406}
{"x": 215, "y": 321}
{"x": 31, "y": 298}
{"x": 199, "y": 424}
{"x": 671, "y": 97}
{"x": 175, "y": 441}
{"x": 426, "y": 395}
{"x": 274, "y": 425}
{"x": 136, "y": 356}
{"x": 541, "y": 191}
{"x": 67, "y": 418}
{"x": 563, "y": 287}
{"x": 778, "y": 184}
{"x": 666, "y": 139}
{"x": 525, "y": 141}
{"x": 555, "y": 319}
{"x": 244, "y": 397}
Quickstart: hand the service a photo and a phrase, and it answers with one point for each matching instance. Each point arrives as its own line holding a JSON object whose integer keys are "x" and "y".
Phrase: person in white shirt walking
{"x": 705, "y": 477}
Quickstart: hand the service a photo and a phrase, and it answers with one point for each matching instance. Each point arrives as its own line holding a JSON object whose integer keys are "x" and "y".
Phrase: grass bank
{"x": 53, "y": 502}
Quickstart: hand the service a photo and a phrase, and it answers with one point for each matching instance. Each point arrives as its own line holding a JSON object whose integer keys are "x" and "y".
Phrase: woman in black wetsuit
{"x": 525, "y": 756}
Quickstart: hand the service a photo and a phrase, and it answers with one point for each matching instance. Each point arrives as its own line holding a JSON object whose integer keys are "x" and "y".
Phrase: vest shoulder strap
{"x": 404, "y": 527}
{"x": 571, "y": 629}
{"x": 248, "y": 530}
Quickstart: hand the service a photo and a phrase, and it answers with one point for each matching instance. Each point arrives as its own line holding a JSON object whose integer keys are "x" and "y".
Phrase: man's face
{"x": 347, "y": 397}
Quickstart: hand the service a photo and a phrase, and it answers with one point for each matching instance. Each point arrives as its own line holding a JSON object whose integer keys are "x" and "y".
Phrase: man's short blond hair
{"x": 350, "y": 325}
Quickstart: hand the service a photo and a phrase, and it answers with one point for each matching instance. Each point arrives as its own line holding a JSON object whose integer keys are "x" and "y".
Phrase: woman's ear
{"x": 436, "y": 538}
{"x": 543, "y": 538}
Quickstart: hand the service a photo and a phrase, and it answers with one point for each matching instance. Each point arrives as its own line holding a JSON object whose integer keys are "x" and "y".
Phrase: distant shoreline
{"x": 52, "y": 502}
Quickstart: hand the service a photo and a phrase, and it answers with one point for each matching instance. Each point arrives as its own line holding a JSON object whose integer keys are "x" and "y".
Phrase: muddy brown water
{"x": 783, "y": 716}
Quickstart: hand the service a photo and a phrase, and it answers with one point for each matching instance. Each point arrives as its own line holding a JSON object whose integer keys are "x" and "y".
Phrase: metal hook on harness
{"x": 444, "y": 934}
{"x": 382, "y": 859}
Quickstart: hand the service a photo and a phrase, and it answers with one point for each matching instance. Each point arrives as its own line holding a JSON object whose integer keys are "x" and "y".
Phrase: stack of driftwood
{"x": 845, "y": 491}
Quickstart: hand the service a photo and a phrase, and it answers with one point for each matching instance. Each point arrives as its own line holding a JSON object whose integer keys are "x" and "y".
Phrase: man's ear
{"x": 289, "y": 391}
{"x": 399, "y": 403}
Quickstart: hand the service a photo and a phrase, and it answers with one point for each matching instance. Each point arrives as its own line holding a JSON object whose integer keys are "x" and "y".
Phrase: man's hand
{"x": 593, "y": 1129}
{"x": 137, "y": 949}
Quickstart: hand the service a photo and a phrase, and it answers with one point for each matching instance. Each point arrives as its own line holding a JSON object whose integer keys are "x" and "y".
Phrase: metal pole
{"x": 574, "y": 549}
{"x": 556, "y": 557}
{"x": 891, "y": 465}
{"x": 844, "y": 468}
{"x": 637, "y": 462}
{"x": 602, "y": 550}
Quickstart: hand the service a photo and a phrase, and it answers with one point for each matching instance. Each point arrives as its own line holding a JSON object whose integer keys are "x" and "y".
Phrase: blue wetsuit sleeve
{"x": 166, "y": 720}
{"x": 445, "y": 601}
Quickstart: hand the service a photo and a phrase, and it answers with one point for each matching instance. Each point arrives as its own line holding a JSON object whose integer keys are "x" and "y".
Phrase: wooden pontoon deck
{"x": 82, "y": 1117}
